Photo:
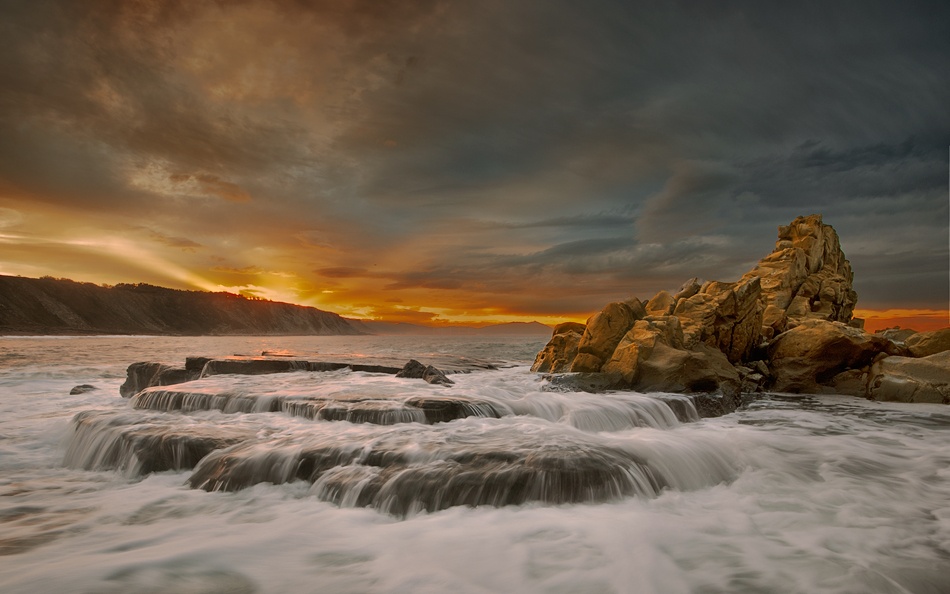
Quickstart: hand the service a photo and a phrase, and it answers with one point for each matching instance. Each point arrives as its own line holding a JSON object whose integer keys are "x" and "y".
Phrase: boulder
{"x": 416, "y": 370}
{"x": 638, "y": 344}
{"x": 702, "y": 369}
{"x": 661, "y": 304}
{"x": 413, "y": 369}
{"x": 434, "y": 375}
{"x": 923, "y": 344}
{"x": 909, "y": 379}
{"x": 689, "y": 288}
{"x": 813, "y": 353}
{"x": 603, "y": 333}
{"x": 805, "y": 277}
{"x": 82, "y": 389}
{"x": 561, "y": 350}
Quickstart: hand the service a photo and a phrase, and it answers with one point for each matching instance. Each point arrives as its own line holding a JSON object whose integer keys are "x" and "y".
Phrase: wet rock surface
{"x": 139, "y": 445}
{"x": 82, "y": 389}
{"x": 402, "y": 474}
{"x": 402, "y": 447}
{"x": 147, "y": 374}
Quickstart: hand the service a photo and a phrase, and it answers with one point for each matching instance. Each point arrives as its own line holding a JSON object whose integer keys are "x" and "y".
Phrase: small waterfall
{"x": 137, "y": 445}
{"x": 471, "y": 463}
{"x": 414, "y": 409}
{"x": 377, "y": 412}
{"x": 166, "y": 399}
{"x": 402, "y": 447}
{"x": 609, "y": 412}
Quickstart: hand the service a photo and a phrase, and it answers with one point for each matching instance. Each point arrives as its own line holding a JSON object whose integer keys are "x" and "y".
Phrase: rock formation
{"x": 794, "y": 308}
{"x": 805, "y": 277}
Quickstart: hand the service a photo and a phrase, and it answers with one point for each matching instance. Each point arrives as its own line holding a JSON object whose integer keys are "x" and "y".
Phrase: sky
{"x": 472, "y": 162}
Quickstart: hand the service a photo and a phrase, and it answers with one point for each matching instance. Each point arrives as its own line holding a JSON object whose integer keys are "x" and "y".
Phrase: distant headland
{"x": 59, "y": 306}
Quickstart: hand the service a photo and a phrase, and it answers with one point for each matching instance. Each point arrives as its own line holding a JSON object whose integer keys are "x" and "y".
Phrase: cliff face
{"x": 51, "y": 306}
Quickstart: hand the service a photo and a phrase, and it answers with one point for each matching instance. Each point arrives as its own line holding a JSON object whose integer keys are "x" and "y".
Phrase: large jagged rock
{"x": 908, "y": 379}
{"x": 923, "y": 344}
{"x": 816, "y": 352}
{"x": 726, "y": 316}
{"x": 805, "y": 277}
{"x": 795, "y": 307}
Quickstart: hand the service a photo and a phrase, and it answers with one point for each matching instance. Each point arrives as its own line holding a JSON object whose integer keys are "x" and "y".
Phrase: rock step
{"x": 394, "y": 477}
{"x": 147, "y": 374}
{"x": 355, "y": 409}
{"x": 138, "y": 445}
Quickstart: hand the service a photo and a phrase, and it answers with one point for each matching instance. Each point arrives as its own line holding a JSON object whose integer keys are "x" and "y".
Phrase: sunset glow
{"x": 418, "y": 162}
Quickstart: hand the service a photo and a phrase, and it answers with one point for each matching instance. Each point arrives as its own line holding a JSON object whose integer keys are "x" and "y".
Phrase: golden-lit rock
{"x": 805, "y": 277}
{"x": 811, "y": 355}
{"x": 794, "y": 309}
{"x": 561, "y": 350}
{"x": 923, "y": 344}
{"x": 661, "y": 304}
{"x": 603, "y": 333}
{"x": 909, "y": 379}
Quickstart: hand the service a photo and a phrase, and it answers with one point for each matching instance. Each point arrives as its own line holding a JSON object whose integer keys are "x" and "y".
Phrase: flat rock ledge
{"x": 146, "y": 374}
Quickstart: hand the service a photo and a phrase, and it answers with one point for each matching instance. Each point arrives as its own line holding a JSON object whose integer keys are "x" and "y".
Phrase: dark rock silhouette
{"x": 61, "y": 306}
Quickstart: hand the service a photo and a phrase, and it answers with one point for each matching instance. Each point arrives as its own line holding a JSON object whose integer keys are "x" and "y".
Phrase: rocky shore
{"x": 786, "y": 326}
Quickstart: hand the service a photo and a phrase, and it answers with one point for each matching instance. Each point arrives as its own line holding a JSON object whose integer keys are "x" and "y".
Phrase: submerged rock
{"x": 82, "y": 389}
{"x": 252, "y": 366}
{"x": 417, "y": 370}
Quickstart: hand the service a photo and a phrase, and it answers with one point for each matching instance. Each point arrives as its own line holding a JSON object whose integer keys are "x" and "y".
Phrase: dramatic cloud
{"x": 471, "y": 160}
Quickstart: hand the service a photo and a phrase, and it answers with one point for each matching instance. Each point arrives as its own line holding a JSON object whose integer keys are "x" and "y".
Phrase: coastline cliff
{"x": 60, "y": 306}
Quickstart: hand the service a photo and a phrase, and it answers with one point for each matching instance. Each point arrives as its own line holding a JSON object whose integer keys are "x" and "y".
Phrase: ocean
{"x": 563, "y": 492}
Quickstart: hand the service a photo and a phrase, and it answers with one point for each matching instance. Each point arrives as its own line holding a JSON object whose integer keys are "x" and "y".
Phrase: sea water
{"x": 789, "y": 494}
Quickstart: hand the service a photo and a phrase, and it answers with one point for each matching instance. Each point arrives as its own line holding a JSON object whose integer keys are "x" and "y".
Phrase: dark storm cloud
{"x": 625, "y": 146}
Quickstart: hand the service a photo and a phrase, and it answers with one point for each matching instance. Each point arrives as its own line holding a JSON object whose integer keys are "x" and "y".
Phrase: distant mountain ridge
{"x": 61, "y": 306}
{"x": 403, "y": 328}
